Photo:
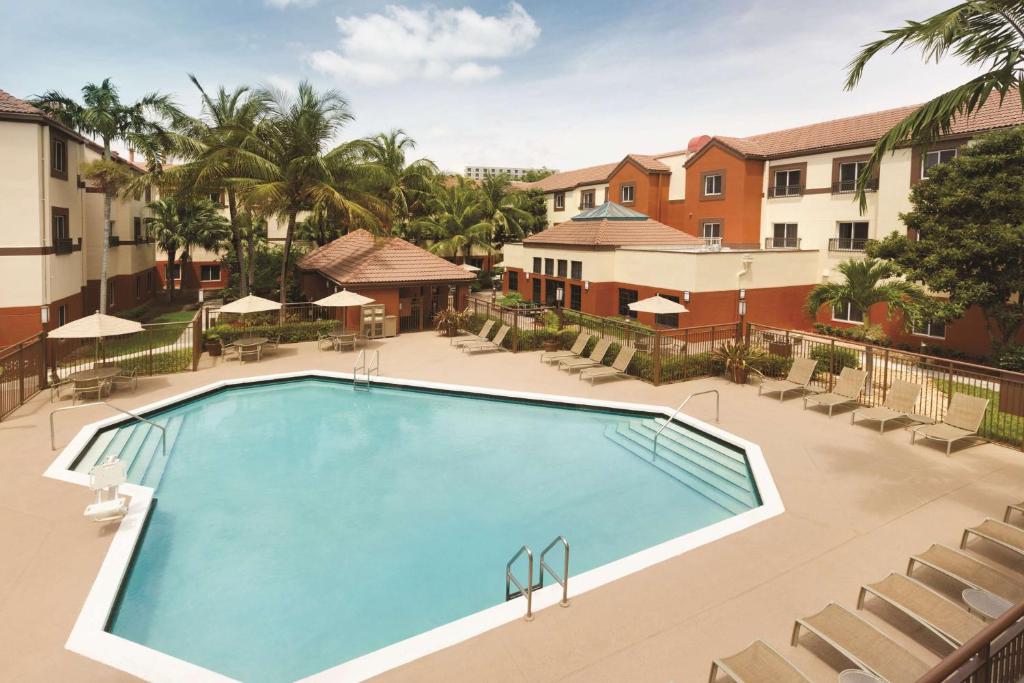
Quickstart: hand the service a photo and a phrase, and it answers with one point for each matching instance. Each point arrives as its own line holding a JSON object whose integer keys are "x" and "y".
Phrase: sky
{"x": 556, "y": 84}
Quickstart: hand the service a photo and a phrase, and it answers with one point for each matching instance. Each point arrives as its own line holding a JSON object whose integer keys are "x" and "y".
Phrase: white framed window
{"x": 784, "y": 236}
{"x": 627, "y": 194}
{"x": 851, "y": 236}
{"x": 932, "y": 159}
{"x": 847, "y": 313}
{"x": 711, "y": 229}
{"x": 60, "y": 227}
{"x": 587, "y": 199}
{"x": 210, "y": 273}
{"x": 559, "y": 201}
{"x": 931, "y": 328}
{"x": 849, "y": 174}
{"x": 174, "y": 271}
{"x": 60, "y": 156}
{"x": 712, "y": 184}
{"x": 787, "y": 183}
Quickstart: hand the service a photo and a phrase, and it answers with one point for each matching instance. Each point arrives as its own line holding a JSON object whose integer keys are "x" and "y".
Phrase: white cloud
{"x": 285, "y": 4}
{"x": 431, "y": 43}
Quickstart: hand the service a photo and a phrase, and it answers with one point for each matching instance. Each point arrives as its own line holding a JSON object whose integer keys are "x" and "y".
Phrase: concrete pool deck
{"x": 857, "y": 505}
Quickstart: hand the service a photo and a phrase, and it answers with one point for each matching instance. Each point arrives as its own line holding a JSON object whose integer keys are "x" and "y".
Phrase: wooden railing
{"x": 995, "y": 655}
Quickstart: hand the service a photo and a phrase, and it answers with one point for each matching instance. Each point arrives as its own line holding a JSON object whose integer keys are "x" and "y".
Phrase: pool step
{"x": 138, "y": 446}
{"x": 675, "y": 468}
{"x": 711, "y": 459}
{"x": 92, "y": 456}
{"x": 155, "y": 472}
{"x": 735, "y": 458}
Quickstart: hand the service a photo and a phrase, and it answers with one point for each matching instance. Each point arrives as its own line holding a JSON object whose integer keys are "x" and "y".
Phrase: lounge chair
{"x": 110, "y": 505}
{"x": 969, "y": 571}
{"x": 938, "y": 614}
{"x": 1010, "y": 509}
{"x": 758, "y": 663}
{"x": 847, "y": 390}
{"x": 899, "y": 405}
{"x": 574, "y": 352}
{"x": 129, "y": 378}
{"x": 617, "y": 369}
{"x": 962, "y": 420}
{"x": 799, "y": 378}
{"x": 89, "y": 387}
{"x": 862, "y": 644}
{"x": 1002, "y": 534}
{"x": 480, "y": 336}
{"x": 595, "y": 358}
{"x": 493, "y": 345}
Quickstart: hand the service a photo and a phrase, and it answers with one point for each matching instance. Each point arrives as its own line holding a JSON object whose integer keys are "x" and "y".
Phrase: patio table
{"x": 984, "y": 603}
{"x": 246, "y": 344}
{"x": 340, "y": 339}
{"x": 94, "y": 373}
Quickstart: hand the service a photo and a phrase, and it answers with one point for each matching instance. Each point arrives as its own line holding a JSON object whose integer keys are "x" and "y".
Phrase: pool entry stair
{"x": 528, "y": 588}
{"x": 137, "y": 445}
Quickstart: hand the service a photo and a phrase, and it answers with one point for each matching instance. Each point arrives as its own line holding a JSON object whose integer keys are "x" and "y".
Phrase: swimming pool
{"x": 302, "y": 524}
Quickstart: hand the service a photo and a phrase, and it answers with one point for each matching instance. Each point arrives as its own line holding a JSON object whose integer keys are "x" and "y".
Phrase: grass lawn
{"x": 162, "y": 329}
{"x": 997, "y": 425}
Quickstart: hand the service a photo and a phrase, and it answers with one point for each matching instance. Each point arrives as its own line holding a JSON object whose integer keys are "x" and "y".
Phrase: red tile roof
{"x": 360, "y": 259}
{"x": 567, "y": 180}
{"x": 648, "y": 163}
{"x": 613, "y": 233}
{"x": 9, "y": 104}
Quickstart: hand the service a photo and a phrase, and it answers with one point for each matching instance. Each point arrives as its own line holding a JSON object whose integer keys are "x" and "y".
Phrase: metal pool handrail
{"x": 361, "y": 364}
{"x": 511, "y": 579}
{"x": 564, "y": 580}
{"x": 654, "y": 447}
{"x": 163, "y": 430}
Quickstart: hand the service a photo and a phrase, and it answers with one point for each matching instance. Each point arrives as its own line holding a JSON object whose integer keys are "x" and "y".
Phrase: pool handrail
{"x": 564, "y": 580}
{"x": 163, "y": 430}
{"x": 654, "y": 447}
{"x": 510, "y": 578}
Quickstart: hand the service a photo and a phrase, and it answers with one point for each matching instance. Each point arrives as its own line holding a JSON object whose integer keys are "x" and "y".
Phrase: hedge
{"x": 163, "y": 363}
{"x": 290, "y": 332}
{"x": 834, "y": 358}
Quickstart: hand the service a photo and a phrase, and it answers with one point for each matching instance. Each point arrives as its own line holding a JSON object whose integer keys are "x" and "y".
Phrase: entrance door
{"x": 536, "y": 291}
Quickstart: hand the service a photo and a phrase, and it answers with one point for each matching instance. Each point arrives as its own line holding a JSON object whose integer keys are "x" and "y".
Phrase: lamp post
{"x": 559, "y": 297}
{"x": 743, "y": 314}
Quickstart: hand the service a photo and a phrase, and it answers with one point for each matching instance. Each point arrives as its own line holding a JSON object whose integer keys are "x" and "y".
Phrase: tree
{"x": 456, "y": 223}
{"x": 535, "y": 174}
{"x": 101, "y": 114}
{"x": 985, "y": 34}
{"x": 501, "y": 209}
{"x": 535, "y": 204}
{"x": 869, "y": 281}
{"x": 181, "y": 225}
{"x": 969, "y": 222}
{"x": 401, "y": 185}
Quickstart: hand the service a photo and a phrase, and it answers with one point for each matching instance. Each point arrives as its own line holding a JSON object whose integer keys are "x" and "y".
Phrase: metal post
{"x": 949, "y": 384}
{"x": 885, "y": 374}
{"x": 831, "y": 364}
{"x": 656, "y": 356}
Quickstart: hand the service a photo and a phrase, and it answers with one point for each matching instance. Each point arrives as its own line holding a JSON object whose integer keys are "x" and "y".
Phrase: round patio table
{"x": 246, "y": 343}
{"x": 94, "y": 373}
{"x": 984, "y": 603}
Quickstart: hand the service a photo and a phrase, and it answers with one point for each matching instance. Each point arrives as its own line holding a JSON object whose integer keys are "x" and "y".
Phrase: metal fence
{"x": 939, "y": 378}
{"x": 22, "y": 373}
{"x": 298, "y": 312}
{"x": 995, "y": 655}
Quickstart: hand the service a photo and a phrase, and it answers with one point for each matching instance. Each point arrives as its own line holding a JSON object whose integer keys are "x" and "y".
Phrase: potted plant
{"x": 449, "y": 321}
{"x": 738, "y": 358}
{"x": 213, "y": 343}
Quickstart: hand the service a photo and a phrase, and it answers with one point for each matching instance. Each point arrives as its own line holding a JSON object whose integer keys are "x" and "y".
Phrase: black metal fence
{"x": 22, "y": 373}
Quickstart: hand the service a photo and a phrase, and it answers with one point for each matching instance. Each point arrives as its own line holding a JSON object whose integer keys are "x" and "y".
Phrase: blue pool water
{"x": 301, "y": 524}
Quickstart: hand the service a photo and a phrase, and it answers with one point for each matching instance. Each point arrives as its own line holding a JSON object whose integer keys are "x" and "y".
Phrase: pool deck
{"x": 857, "y": 505}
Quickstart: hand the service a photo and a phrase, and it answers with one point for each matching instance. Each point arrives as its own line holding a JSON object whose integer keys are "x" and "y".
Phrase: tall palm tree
{"x": 183, "y": 224}
{"x": 456, "y": 223}
{"x": 502, "y": 208}
{"x": 401, "y": 185}
{"x": 986, "y": 34}
{"x": 868, "y": 282}
{"x": 141, "y": 125}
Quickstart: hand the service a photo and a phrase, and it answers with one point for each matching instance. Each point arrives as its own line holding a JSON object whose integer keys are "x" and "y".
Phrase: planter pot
{"x": 213, "y": 348}
{"x": 550, "y": 346}
{"x": 738, "y": 374}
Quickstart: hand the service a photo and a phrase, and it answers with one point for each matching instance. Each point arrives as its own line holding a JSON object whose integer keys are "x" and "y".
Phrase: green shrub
{"x": 773, "y": 365}
{"x": 834, "y": 358}
{"x": 1011, "y": 358}
{"x": 290, "y": 332}
{"x": 159, "y": 363}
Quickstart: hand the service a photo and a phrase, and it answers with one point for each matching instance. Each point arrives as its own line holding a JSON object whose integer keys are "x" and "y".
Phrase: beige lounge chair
{"x": 575, "y": 351}
{"x": 899, "y": 405}
{"x": 758, "y": 663}
{"x": 1002, "y": 534}
{"x": 1010, "y": 509}
{"x": 963, "y": 418}
{"x": 480, "y": 336}
{"x": 862, "y": 644}
{"x": 847, "y": 390}
{"x": 617, "y": 369}
{"x": 799, "y": 378}
{"x": 493, "y": 345}
{"x": 938, "y": 614}
{"x": 595, "y": 358}
{"x": 969, "y": 571}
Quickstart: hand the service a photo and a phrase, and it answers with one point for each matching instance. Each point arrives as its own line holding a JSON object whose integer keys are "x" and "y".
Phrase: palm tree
{"x": 401, "y": 185}
{"x": 868, "y": 282}
{"x": 183, "y": 224}
{"x": 456, "y": 223}
{"x": 501, "y": 208}
{"x": 986, "y": 34}
{"x": 101, "y": 114}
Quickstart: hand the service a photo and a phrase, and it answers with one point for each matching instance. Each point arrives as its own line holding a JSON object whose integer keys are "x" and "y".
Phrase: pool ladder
{"x": 527, "y": 589}
{"x": 367, "y": 365}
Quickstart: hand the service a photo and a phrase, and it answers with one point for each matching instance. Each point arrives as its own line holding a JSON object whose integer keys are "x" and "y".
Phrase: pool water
{"x": 301, "y": 524}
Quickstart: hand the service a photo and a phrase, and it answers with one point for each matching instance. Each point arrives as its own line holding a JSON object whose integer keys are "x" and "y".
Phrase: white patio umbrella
{"x": 343, "y": 299}
{"x": 469, "y": 267}
{"x": 659, "y": 305}
{"x": 96, "y": 327}
{"x": 250, "y": 304}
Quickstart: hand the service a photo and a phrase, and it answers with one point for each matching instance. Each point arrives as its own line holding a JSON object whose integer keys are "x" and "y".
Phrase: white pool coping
{"x": 89, "y": 637}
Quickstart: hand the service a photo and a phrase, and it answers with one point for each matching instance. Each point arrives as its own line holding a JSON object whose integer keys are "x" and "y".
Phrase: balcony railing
{"x": 847, "y": 243}
{"x": 712, "y": 243}
{"x": 62, "y": 245}
{"x": 850, "y": 186}
{"x": 785, "y": 190}
{"x": 781, "y": 242}
{"x": 115, "y": 241}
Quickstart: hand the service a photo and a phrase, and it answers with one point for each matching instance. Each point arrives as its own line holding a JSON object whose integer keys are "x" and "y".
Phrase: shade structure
{"x": 500, "y": 264}
{"x": 96, "y": 326}
{"x": 344, "y": 299}
{"x": 470, "y": 268}
{"x": 658, "y": 305}
{"x": 250, "y": 304}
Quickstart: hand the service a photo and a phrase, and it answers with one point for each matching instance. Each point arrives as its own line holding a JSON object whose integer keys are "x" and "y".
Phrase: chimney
{"x": 131, "y": 155}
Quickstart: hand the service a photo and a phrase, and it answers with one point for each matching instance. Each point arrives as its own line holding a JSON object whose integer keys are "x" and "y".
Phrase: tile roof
{"x": 567, "y": 180}
{"x": 359, "y": 258}
{"x": 613, "y": 231}
{"x": 649, "y": 163}
{"x": 9, "y": 104}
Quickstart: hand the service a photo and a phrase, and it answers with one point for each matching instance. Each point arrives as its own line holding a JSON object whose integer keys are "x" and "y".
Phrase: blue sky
{"x": 561, "y": 84}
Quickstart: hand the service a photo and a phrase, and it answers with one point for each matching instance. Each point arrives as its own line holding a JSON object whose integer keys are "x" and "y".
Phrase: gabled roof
{"x": 611, "y": 225}
{"x": 360, "y": 259}
{"x": 594, "y": 175}
{"x": 12, "y": 108}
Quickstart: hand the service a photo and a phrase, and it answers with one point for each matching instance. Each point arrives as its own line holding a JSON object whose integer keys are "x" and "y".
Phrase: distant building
{"x": 481, "y": 172}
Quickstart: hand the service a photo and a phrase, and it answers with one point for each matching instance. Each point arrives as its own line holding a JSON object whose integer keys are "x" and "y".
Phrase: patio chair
{"x": 89, "y": 387}
{"x": 863, "y": 644}
{"x": 346, "y": 341}
{"x": 899, "y": 405}
{"x": 575, "y": 351}
{"x": 617, "y": 369}
{"x": 969, "y": 571}
{"x": 938, "y": 614}
{"x": 272, "y": 343}
{"x": 129, "y": 378}
{"x": 322, "y": 339}
{"x": 230, "y": 351}
{"x": 493, "y": 345}
{"x": 110, "y": 505}
{"x": 1010, "y": 509}
{"x": 480, "y": 336}
{"x": 758, "y": 663}
{"x": 249, "y": 353}
{"x": 57, "y": 385}
{"x": 798, "y": 379}
{"x": 962, "y": 420}
{"x": 595, "y": 358}
{"x": 1002, "y": 534}
{"x": 847, "y": 390}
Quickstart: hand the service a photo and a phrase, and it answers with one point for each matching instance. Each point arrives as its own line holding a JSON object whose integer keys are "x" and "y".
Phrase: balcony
{"x": 781, "y": 243}
{"x": 785, "y": 191}
{"x": 847, "y": 243}
{"x": 850, "y": 186}
{"x": 712, "y": 243}
{"x": 62, "y": 245}
{"x": 114, "y": 241}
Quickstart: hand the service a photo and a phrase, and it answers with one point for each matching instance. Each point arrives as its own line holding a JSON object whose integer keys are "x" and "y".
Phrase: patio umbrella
{"x": 658, "y": 305}
{"x": 343, "y": 299}
{"x": 470, "y": 268}
{"x": 250, "y": 304}
{"x": 96, "y": 327}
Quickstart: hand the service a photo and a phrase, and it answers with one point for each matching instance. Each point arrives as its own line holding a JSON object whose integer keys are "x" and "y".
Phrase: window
{"x": 931, "y": 328}
{"x": 627, "y": 297}
{"x": 587, "y": 199}
{"x": 111, "y": 290}
{"x": 932, "y": 159}
{"x": 513, "y": 281}
{"x": 575, "y": 297}
{"x": 60, "y": 226}
{"x": 627, "y": 193}
{"x": 853, "y": 236}
{"x": 149, "y": 280}
{"x": 784, "y": 236}
{"x": 847, "y": 312}
{"x": 536, "y": 291}
{"x": 551, "y": 292}
{"x": 215, "y": 197}
{"x": 536, "y": 264}
{"x": 713, "y": 185}
{"x": 563, "y": 267}
{"x": 138, "y": 286}
{"x": 711, "y": 230}
{"x": 668, "y": 319}
{"x": 210, "y": 273}
{"x": 787, "y": 183}
{"x": 576, "y": 270}
{"x": 137, "y": 229}
{"x": 62, "y": 315}
{"x": 849, "y": 174}
{"x": 549, "y": 266}
{"x": 148, "y": 194}
{"x": 174, "y": 271}
{"x": 559, "y": 201}
{"x": 58, "y": 157}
